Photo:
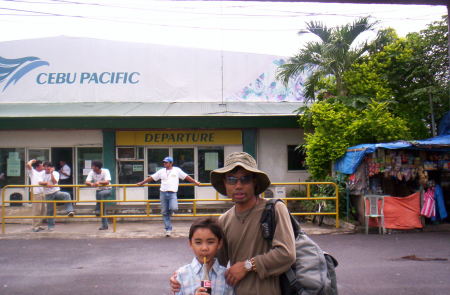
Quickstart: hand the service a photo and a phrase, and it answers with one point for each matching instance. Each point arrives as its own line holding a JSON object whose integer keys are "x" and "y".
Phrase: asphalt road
{"x": 369, "y": 264}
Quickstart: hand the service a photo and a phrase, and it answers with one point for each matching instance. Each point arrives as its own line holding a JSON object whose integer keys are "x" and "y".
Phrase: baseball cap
{"x": 168, "y": 159}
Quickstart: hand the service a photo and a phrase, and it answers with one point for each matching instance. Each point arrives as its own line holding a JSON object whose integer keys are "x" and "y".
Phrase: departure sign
{"x": 180, "y": 137}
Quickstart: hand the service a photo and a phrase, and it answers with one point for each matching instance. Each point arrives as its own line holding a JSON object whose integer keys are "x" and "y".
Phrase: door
{"x": 61, "y": 157}
{"x": 184, "y": 158}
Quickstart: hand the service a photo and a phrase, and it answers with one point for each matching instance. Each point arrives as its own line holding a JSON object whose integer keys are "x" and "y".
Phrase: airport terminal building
{"x": 132, "y": 104}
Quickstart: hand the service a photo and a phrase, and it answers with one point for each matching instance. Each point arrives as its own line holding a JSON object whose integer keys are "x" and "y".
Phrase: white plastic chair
{"x": 374, "y": 208}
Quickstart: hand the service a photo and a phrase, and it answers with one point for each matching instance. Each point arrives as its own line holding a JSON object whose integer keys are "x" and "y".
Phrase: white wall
{"x": 60, "y": 138}
{"x": 272, "y": 153}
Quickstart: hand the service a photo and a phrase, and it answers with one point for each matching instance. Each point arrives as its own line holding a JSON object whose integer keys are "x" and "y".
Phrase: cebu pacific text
{"x": 89, "y": 78}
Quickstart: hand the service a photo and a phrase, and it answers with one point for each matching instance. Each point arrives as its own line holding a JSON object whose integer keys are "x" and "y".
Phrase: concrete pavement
{"x": 152, "y": 228}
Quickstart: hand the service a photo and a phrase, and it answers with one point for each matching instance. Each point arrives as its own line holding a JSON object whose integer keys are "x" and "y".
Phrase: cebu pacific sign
{"x": 12, "y": 70}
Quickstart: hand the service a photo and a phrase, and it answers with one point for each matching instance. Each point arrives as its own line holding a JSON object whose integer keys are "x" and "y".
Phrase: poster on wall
{"x": 13, "y": 164}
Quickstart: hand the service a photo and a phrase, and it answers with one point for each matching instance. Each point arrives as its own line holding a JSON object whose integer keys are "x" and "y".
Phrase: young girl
{"x": 205, "y": 239}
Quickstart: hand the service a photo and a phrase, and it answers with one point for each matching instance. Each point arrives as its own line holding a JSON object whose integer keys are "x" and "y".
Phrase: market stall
{"x": 413, "y": 177}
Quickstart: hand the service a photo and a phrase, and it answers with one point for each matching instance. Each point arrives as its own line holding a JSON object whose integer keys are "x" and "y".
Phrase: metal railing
{"x": 150, "y": 203}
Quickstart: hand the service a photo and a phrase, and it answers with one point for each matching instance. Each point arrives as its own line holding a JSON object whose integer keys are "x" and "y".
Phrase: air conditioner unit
{"x": 126, "y": 153}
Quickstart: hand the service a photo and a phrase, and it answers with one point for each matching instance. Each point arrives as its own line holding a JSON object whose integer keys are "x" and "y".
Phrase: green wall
{"x": 109, "y": 152}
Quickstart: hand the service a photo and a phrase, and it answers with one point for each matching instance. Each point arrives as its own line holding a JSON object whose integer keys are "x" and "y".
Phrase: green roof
{"x": 155, "y": 109}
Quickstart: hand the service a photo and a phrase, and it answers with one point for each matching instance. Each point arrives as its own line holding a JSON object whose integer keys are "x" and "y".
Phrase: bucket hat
{"x": 245, "y": 161}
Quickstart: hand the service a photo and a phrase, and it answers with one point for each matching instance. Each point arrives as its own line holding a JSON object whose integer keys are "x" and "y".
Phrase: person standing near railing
{"x": 100, "y": 178}
{"x": 36, "y": 173}
{"x": 170, "y": 177}
{"x": 53, "y": 192}
{"x": 65, "y": 177}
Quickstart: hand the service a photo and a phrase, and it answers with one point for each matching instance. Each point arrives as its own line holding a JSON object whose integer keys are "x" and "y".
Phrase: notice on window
{"x": 138, "y": 168}
{"x": 86, "y": 171}
{"x": 87, "y": 164}
{"x": 13, "y": 155}
{"x": 13, "y": 167}
{"x": 211, "y": 161}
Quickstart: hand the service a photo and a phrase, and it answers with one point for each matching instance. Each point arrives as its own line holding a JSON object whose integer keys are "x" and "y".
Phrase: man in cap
{"x": 170, "y": 177}
{"x": 255, "y": 264}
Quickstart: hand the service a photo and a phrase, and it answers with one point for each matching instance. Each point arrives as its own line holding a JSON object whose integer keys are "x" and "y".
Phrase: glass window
{"x": 131, "y": 172}
{"x": 209, "y": 158}
{"x": 39, "y": 154}
{"x": 12, "y": 166}
{"x": 85, "y": 157}
{"x": 296, "y": 158}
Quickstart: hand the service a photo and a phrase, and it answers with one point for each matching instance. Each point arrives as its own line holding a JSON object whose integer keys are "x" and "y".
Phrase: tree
{"x": 331, "y": 57}
{"x": 411, "y": 74}
{"x": 336, "y": 127}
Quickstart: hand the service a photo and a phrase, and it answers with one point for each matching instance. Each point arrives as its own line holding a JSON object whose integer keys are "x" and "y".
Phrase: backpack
{"x": 313, "y": 272}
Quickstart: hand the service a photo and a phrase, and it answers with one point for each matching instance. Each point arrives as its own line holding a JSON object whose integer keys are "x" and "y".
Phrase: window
{"x": 296, "y": 158}
{"x": 209, "y": 158}
{"x": 85, "y": 158}
{"x": 12, "y": 166}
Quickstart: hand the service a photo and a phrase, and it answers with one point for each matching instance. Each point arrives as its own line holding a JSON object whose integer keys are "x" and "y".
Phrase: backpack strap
{"x": 268, "y": 221}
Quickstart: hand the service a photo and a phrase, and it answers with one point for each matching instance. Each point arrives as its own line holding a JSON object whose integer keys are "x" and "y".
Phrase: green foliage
{"x": 320, "y": 190}
{"x": 376, "y": 124}
{"x": 336, "y": 127}
{"x": 407, "y": 73}
{"x": 330, "y": 57}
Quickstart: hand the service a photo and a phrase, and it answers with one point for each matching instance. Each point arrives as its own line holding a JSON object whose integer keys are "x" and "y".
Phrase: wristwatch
{"x": 248, "y": 265}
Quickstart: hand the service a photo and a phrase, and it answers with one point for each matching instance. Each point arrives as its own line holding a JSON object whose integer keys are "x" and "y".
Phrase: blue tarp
{"x": 444, "y": 125}
{"x": 355, "y": 154}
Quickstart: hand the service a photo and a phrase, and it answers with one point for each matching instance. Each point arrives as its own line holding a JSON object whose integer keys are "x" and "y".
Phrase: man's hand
{"x": 140, "y": 183}
{"x": 201, "y": 291}
{"x": 235, "y": 273}
{"x": 175, "y": 286}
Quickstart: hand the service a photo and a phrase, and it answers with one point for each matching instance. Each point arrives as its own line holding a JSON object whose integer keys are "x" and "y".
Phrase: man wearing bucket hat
{"x": 169, "y": 176}
{"x": 255, "y": 265}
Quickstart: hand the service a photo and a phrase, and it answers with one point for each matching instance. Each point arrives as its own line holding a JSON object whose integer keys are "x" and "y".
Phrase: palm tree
{"x": 330, "y": 57}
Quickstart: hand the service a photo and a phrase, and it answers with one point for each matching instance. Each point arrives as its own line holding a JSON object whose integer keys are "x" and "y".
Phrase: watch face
{"x": 248, "y": 265}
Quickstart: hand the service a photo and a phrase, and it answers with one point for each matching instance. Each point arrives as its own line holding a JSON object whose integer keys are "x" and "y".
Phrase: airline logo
{"x": 12, "y": 70}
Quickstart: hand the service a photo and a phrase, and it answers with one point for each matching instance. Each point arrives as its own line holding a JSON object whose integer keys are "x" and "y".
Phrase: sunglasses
{"x": 243, "y": 179}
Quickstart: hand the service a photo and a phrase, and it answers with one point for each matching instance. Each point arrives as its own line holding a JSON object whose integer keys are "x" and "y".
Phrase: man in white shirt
{"x": 65, "y": 176}
{"x": 53, "y": 192}
{"x": 170, "y": 177}
{"x": 100, "y": 178}
{"x": 36, "y": 173}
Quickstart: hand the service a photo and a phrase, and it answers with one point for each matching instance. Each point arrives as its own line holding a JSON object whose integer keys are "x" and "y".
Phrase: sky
{"x": 250, "y": 26}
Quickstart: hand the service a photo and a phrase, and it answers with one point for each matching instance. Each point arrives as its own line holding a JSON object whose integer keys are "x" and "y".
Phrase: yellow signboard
{"x": 179, "y": 137}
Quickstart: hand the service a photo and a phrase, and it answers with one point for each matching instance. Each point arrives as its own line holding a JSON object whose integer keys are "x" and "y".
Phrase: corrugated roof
{"x": 153, "y": 109}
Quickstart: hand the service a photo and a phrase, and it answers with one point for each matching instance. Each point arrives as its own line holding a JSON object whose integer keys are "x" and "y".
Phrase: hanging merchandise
{"x": 428, "y": 209}
{"x": 441, "y": 212}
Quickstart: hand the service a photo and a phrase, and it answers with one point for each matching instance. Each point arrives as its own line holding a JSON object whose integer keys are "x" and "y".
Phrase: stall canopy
{"x": 355, "y": 154}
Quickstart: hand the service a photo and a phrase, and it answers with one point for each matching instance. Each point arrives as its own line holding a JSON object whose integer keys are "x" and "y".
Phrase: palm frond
{"x": 318, "y": 29}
